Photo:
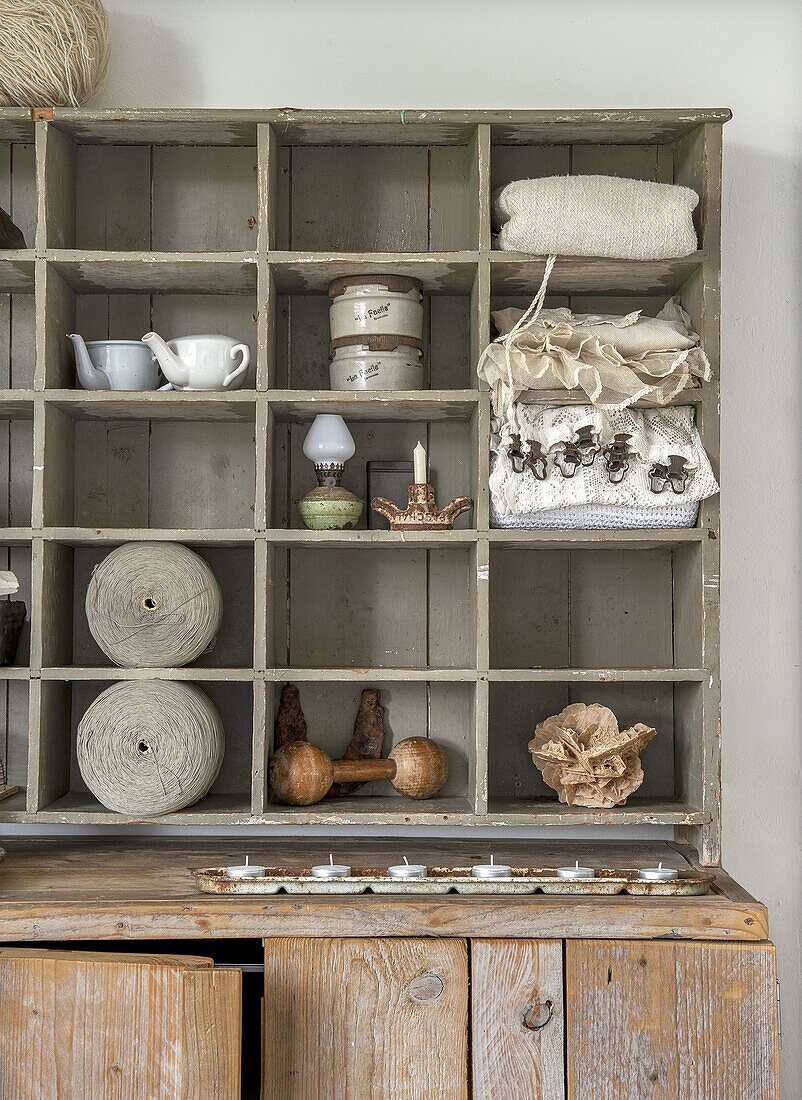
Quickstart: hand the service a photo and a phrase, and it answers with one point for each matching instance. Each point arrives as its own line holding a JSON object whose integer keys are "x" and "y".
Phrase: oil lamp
{"x": 329, "y": 445}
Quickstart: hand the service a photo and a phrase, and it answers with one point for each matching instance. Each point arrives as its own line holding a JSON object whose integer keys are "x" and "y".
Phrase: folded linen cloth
{"x": 596, "y": 216}
{"x": 615, "y": 360}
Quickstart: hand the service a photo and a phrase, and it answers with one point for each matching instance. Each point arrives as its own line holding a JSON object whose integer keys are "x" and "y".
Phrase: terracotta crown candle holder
{"x": 421, "y": 513}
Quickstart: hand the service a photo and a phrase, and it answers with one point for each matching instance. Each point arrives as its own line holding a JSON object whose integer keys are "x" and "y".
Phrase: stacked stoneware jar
{"x": 376, "y": 333}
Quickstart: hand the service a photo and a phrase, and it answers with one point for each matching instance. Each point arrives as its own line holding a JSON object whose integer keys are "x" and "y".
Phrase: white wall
{"x": 608, "y": 53}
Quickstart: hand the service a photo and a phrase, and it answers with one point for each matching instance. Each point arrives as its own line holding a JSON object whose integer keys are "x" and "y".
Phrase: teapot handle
{"x": 246, "y": 358}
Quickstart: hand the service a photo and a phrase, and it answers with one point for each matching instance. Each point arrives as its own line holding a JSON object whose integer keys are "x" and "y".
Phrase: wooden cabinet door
{"x": 78, "y": 1025}
{"x": 517, "y": 1020}
{"x": 365, "y": 1019}
{"x": 670, "y": 1021}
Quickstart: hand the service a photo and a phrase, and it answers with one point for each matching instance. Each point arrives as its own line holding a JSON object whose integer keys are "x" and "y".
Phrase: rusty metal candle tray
{"x": 445, "y": 880}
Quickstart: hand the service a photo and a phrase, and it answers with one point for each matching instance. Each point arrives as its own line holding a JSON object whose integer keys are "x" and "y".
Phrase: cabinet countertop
{"x": 91, "y": 888}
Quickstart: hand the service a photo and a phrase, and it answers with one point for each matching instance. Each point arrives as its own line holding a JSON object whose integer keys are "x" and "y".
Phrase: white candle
{"x": 407, "y": 870}
{"x": 491, "y": 869}
{"x": 658, "y": 873}
{"x": 245, "y": 870}
{"x": 332, "y": 869}
{"x": 419, "y": 463}
{"x": 576, "y": 872}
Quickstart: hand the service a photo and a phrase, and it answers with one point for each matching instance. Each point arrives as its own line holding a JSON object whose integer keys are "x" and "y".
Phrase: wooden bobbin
{"x": 301, "y": 774}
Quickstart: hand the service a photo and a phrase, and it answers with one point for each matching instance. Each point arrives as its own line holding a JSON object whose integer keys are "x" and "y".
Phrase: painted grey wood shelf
{"x": 237, "y": 221}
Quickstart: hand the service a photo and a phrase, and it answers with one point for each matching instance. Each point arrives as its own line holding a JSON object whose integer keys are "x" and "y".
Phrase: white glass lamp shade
{"x": 328, "y": 441}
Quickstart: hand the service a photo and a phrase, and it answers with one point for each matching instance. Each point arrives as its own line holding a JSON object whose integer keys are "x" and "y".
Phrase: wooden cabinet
{"x": 76, "y": 1025}
{"x": 372, "y": 1018}
{"x": 366, "y": 1018}
{"x": 517, "y": 1019}
{"x": 394, "y": 1017}
{"x": 670, "y": 1021}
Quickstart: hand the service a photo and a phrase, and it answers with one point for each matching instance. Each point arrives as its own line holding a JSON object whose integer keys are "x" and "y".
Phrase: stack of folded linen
{"x": 614, "y": 360}
{"x": 576, "y": 466}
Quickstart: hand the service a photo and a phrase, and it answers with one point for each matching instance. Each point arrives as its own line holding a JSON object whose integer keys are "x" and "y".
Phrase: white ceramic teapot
{"x": 114, "y": 364}
{"x": 200, "y": 362}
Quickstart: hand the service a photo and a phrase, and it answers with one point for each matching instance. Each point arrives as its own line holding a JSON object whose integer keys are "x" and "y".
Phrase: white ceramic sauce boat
{"x": 114, "y": 364}
{"x": 200, "y": 362}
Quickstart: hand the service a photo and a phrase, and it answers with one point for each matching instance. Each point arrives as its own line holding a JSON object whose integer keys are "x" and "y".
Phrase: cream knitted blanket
{"x": 596, "y": 216}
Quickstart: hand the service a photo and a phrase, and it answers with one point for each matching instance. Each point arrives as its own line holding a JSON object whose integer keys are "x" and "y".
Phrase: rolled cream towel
{"x": 596, "y": 216}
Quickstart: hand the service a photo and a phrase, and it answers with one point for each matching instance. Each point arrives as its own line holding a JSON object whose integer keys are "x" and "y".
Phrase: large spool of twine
{"x": 53, "y": 53}
{"x": 153, "y": 605}
{"x": 150, "y": 747}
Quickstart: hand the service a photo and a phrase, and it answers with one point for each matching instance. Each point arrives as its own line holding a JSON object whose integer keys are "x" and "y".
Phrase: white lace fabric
{"x": 654, "y": 435}
{"x": 616, "y": 361}
{"x": 599, "y": 517}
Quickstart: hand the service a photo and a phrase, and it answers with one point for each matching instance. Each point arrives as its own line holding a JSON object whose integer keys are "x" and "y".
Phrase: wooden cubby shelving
{"x": 236, "y": 222}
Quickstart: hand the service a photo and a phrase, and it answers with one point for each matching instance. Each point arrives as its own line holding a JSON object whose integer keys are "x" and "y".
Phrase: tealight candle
{"x": 332, "y": 869}
{"x": 576, "y": 872}
{"x": 658, "y": 873}
{"x": 245, "y": 870}
{"x": 407, "y": 870}
{"x": 491, "y": 870}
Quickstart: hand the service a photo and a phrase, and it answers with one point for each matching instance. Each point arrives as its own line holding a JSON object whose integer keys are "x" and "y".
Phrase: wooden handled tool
{"x": 301, "y": 773}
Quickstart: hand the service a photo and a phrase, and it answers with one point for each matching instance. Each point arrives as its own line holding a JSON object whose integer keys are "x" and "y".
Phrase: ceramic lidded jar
{"x": 376, "y": 363}
{"x": 368, "y": 305}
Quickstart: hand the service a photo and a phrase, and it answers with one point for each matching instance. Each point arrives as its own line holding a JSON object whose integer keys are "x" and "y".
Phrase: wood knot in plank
{"x": 537, "y": 1014}
{"x": 426, "y": 987}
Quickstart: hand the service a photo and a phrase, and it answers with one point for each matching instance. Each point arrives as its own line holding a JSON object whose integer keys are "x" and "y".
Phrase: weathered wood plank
{"x": 620, "y": 609}
{"x": 691, "y": 1021}
{"x": 185, "y": 1017}
{"x": 453, "y": 188}
{"x": 56, "y": 186}
{"x": 90, "y": 272}
{"x": 205, "y": 478}
{"x": 414, "y": 127}
{"x": 389, "y": 405}
{"x": 310, "y": 272}
{"x": 517, "y": 273}
{"x": 197, "y": 405}
{"x": 49, "y": 752}
{"x": 113, "y": 199}
{"x": 360, "y": 198}
{"x": 187, "y": 186}
{"x": 517, "y": 1019}
{"x": 363, "y": 1018}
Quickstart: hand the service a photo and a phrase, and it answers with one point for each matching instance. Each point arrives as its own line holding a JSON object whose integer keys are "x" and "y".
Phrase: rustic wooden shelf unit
{"x": 187, "y": 221}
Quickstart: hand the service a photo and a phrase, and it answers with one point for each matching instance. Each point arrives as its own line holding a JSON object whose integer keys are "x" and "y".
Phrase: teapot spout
{"x": 172, "y": 367}
{"x": 90, "y": 376}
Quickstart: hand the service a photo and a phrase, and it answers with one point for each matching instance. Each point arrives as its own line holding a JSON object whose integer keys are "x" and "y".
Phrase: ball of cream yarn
{"x": 150, "y": 747}
{"x": 153, "y": 605}
{"x": 53, "y": 53}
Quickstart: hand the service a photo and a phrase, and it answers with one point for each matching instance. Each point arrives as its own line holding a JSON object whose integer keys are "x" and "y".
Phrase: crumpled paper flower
{"x": 586, "y": 759}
